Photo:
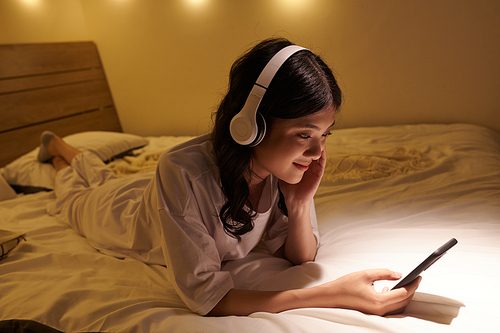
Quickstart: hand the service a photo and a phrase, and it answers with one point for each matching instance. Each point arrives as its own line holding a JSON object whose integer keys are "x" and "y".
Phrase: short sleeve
{"x": 189, "y": 249}
{"x": 193, "y": 264}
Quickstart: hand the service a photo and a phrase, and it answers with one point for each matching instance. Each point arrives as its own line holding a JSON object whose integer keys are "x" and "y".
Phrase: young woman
{"x": 212, "y": 199}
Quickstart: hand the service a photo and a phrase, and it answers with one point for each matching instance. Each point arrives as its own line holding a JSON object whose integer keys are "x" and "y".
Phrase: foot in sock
{"x": 45, "y": 137}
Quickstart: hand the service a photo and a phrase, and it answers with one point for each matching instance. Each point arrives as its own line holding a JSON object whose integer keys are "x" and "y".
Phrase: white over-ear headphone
{"x": 244, "y": 128}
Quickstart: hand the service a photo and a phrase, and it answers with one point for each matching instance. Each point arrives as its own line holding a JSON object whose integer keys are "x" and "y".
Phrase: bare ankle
{"x": 64, "y": 150}
{"x": 59, "y": 163}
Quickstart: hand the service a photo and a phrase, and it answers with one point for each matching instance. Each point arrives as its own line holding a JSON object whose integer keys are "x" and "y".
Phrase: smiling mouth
{"x": 301, "y": 167}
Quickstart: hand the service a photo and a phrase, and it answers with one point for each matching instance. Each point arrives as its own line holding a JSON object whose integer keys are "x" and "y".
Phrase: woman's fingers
{"x": 367, "y": 300}
{"x": 382, "y": 274}
{"x": 408, "y": 289}
{"x": 318, "y": 166}
{"x": 401, "y": 297}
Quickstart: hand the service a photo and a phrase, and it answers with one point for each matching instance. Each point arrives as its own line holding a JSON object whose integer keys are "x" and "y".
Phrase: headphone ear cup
{"x": 261, "y": 130}
{"x": 248, "y": 127}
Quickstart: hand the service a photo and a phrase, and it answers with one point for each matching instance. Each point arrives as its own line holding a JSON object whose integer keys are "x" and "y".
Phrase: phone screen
{"x": 426, "y": 263}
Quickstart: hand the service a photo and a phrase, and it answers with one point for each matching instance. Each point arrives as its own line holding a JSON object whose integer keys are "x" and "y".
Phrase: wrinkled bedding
{"x": 390, "y": 196}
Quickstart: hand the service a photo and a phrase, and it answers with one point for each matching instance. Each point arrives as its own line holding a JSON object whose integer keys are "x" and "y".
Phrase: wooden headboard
{"x": 56, "y": 86}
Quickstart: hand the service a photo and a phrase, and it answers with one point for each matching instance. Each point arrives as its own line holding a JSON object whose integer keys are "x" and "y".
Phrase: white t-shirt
{"x": 172, "y": 219}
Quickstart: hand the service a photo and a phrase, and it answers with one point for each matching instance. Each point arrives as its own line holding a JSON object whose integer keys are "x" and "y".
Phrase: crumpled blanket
{"x": 145, "y": 159}
{"x": 135, "y": 164}
{"x": 363, "y": 167}
{"x": 359, "y": 167}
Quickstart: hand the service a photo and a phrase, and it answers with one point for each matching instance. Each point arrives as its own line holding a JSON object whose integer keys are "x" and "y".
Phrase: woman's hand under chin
{"x": 305, "y": 190}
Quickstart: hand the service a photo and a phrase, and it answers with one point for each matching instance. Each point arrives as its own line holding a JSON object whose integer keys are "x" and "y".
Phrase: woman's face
{"x": 291, "y": 145}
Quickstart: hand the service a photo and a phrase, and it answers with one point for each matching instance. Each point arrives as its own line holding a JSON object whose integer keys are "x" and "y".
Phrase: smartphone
{"x": 426, "y": 263}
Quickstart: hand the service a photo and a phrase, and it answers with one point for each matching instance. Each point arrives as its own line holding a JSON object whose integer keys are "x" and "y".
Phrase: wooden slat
{"x": 56, "y": 86}
{"x": 34, "y": 59}
{"x": 32, "y": 107}
{"x": 19, "y": 84}
{"x": 16, "y": 143}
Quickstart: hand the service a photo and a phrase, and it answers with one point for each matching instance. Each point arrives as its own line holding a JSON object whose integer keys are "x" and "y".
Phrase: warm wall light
{"x": 31, "y": 5}
{"x": 295, "y": 5}
{"x": 197, "y": 5}
{"x": 196, "y": 2}
{"x": 31, "y": 2}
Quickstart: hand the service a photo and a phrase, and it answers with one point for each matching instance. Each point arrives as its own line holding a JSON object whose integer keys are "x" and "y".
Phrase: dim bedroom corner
{"x": 409, "y": 165}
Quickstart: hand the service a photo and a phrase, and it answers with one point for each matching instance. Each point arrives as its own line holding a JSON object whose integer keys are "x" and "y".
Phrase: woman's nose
{"x": 314, "y": 151}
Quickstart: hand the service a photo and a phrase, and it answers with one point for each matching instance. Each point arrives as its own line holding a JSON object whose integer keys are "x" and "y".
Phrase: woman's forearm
{"x": 301, "y": 244}
{"x": 240, "y": 302}
{"x": 352, "y": 291}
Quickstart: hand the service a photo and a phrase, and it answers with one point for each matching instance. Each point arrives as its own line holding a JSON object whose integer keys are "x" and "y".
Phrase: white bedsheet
{"x": 391, "y": 196}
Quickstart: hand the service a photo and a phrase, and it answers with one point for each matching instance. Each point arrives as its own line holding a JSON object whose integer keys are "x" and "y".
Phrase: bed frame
{"x": 60, "y": 87}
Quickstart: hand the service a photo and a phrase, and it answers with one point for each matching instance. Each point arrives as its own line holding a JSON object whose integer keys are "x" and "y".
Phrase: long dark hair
{"x": 302, "y": 86}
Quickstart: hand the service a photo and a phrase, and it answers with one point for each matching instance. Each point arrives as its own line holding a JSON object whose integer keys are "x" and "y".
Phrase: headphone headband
{"x": 275, "y": 63}
{"x": 244, "y": 128}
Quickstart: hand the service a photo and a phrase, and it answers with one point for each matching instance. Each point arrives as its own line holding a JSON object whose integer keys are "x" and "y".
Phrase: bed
{"x": 389, "y": 197}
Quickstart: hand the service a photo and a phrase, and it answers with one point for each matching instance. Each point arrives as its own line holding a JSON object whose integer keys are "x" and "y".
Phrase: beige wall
{"x": 33, "y": 21}
{"x": 167, "y": 62}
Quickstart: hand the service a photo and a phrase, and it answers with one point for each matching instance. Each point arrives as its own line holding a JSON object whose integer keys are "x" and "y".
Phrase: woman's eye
{"x": 307, "y": 136}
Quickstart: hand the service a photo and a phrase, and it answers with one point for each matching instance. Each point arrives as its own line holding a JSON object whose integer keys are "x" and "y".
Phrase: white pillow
{"x": 27, "y": 172}
{"x": 6, "y": 192}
